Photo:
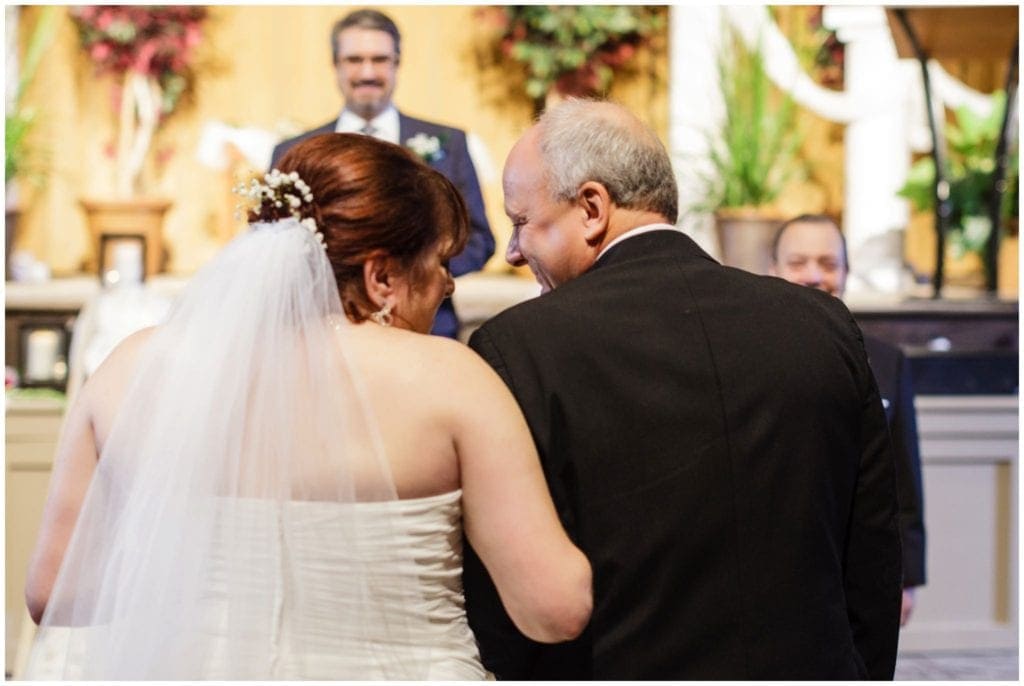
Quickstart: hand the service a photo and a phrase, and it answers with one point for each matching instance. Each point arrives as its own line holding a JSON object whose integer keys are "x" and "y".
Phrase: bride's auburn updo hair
{"x": 375, "y": 198}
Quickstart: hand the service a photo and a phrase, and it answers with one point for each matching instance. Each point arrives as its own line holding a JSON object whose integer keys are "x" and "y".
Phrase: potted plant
{"x": 970, "y": 167}
{"x": 19, "y": 118}
{"x": 752, "y": 156}
{"x": 572, "y": 50}
{"x": 151, "y": 52}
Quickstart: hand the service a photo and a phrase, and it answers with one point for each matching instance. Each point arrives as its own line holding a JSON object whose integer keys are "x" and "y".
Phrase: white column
{"x": 877, "y": 152}
{"x": 695, "y": 108}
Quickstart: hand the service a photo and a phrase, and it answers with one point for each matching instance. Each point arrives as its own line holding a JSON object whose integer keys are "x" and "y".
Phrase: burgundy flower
{"x": 158, "y": 41}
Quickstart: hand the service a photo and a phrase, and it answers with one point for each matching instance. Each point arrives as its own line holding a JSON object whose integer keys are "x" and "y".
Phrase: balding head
{"x": 588, "y": 140}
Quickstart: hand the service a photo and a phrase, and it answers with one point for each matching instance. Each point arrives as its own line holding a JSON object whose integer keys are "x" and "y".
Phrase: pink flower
{"x": 100, "y": 52}
{"x": 192, "y": 35}
{"x": 144, "y": 59}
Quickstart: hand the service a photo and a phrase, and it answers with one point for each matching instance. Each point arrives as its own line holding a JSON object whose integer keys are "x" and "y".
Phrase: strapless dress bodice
{"x": 347, "y": 610}
{"x": 314, "y": 590}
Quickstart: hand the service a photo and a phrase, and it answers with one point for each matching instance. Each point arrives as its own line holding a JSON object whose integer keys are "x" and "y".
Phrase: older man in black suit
{"x": 366, "y": 49}
{"x": 811, "y": 250}
{"x": 714, "y": 440}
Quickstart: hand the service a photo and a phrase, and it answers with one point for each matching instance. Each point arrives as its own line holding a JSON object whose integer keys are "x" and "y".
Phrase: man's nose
{"x": 366, "y": 71}
{"x": 512, "y": 254}
{"x": 813, "y": 275}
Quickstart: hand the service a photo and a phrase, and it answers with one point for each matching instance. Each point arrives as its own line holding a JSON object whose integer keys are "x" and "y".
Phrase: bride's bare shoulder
{"x": 411, "y": 354}
{"x": 120, "y": 364}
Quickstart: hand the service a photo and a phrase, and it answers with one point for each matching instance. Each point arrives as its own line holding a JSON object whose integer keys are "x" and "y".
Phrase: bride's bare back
{"x": 446, "y": 421}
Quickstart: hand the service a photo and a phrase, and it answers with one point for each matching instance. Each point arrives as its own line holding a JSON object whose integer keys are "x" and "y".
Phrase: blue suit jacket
{"x": 455, "y": 163}
{"x": 892, "y": 372}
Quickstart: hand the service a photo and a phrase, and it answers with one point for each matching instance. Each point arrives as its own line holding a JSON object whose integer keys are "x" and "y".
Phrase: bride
{"x": 275, "y": 482}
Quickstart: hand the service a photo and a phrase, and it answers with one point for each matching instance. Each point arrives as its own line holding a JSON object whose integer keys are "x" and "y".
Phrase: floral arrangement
{"x": 817, "y": 47}
{"x": 830, "y": 58}
{"x": 573, "y": 50}
{"x": 152, "y": 51}
{"x": 427, "y": 148}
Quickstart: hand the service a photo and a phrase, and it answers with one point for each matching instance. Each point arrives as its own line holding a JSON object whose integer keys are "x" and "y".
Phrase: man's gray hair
{"x": 588, "y": 140}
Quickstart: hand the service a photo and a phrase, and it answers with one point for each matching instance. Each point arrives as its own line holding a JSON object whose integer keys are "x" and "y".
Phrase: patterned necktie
{"x": 369, "y": 129}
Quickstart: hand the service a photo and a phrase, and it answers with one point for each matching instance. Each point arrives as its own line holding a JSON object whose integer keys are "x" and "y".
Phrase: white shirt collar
{"x": 386, "y": 124}
{"x": 647, "y": 228}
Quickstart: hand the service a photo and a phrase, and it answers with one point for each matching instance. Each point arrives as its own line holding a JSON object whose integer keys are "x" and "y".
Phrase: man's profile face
{"x": 366, "y": 66}
{"x": 811, "y": 254}
{"x": 547, "y": 235}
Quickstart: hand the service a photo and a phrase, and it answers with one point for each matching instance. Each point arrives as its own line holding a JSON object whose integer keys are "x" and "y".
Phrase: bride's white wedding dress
{"x": 313, "y": 606}
{"x": 312, "y": 609}
{"x": 243, "y": 521}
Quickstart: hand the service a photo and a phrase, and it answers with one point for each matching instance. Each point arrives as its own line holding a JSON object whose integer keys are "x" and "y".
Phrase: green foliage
{"x": 753, "y": 153}
{"x": 19, "y": 119}
{"x": 971, "y": 145}
{"x": 575, "y": 49}
{"x": 16, "y": 127}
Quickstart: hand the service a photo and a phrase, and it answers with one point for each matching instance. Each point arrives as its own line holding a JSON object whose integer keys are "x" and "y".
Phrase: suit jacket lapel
{"x": 405, "y": 129}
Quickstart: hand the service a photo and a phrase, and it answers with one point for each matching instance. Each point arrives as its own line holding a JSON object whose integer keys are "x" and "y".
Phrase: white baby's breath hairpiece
{"x": 278, "y": 196}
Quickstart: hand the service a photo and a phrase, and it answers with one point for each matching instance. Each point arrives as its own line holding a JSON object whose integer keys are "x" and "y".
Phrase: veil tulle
{"x": 187, "y": 560}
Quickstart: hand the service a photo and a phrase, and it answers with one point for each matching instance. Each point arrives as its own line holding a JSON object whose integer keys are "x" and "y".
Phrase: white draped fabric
{"x": 882, "y": 108}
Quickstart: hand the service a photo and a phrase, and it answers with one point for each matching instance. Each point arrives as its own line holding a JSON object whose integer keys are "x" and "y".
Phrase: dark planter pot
{"x": 745, "y": 239}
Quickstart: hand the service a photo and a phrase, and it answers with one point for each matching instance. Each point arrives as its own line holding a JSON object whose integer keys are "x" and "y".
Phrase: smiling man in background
{"x": 810, "y": 250}
{"x": 366, "y": 48}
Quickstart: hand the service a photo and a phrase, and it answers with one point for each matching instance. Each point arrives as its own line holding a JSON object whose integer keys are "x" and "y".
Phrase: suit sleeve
{"x": 480, "y": 246}
{"x": 908, "y": 466}
{"x": 504, "y": 650}
{"x": 873, "y": 572}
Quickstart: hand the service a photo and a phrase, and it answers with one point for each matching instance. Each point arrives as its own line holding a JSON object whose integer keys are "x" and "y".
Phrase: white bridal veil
{"x": 243, "y": 466}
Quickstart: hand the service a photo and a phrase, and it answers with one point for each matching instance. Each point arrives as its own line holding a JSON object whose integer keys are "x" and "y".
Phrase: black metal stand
{"x": 943, "y": 209}
{"x": 999, "y": 177}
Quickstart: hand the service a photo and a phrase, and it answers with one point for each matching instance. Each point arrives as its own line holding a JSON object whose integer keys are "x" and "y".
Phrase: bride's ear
{"x": 379, "y": 279}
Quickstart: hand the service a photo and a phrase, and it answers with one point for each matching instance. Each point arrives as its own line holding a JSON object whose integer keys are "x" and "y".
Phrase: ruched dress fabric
{"x": 318, "y": 633}
{"x": 314, "y": 608}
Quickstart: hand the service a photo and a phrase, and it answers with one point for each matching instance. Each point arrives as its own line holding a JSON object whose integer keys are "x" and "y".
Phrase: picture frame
{"x": 122, "y": 259}
{"x": 43, "y": 356}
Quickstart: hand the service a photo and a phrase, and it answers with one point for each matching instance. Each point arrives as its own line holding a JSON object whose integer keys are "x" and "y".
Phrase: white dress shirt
{"x": 385, "y": 124}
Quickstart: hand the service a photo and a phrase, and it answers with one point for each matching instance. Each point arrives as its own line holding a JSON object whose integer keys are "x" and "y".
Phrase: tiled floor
{"x": 975, "y": 665}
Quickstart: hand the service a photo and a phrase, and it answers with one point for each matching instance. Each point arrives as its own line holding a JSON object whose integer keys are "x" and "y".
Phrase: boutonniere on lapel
{"x": 427, "y": 148}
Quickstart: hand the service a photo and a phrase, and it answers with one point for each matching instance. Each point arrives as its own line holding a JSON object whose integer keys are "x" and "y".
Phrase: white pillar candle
{"x": 128, "y": 262}
{"x": 42, "y": 352}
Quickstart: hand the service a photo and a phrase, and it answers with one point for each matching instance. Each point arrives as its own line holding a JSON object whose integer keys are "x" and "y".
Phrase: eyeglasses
{"x": 376, "y": 61}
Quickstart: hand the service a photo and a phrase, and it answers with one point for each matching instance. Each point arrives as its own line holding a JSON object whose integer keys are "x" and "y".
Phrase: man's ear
{"x": 379, "y": 279}
{"x": 596, "y": 203}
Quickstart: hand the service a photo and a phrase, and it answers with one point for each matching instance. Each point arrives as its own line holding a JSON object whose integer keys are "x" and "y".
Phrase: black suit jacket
{"x": 715, "y": 443}
{"x": 455, "y": 163}
{"x": 892, "y": 372}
